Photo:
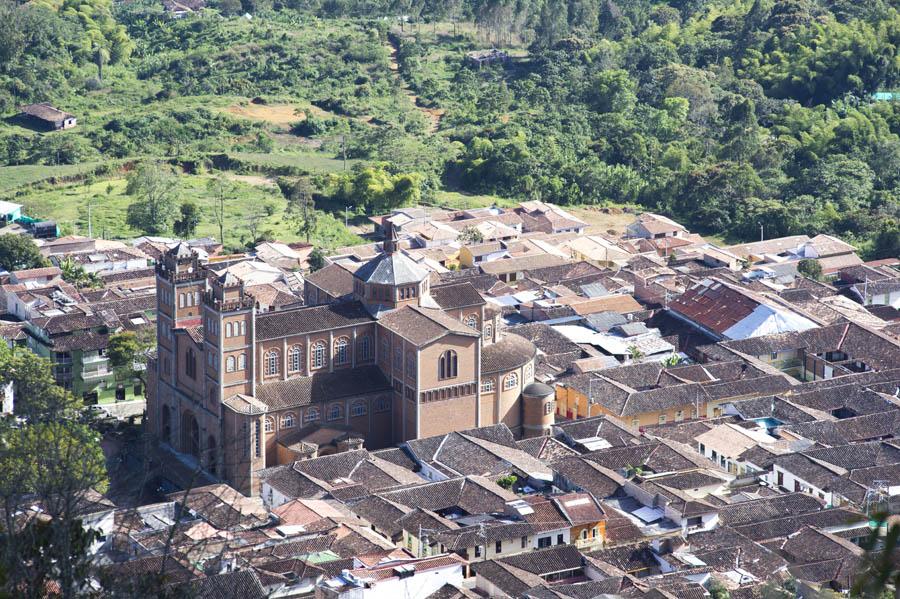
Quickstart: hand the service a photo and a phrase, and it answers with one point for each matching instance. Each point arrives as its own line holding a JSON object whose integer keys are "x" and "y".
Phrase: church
{"x": 236, "y": 388}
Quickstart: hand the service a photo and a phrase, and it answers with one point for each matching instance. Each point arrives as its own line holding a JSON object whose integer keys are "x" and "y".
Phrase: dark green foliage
{"x": 18, "y": 252}
{"x": 810, "y": 268}
{"x": 188, "y": 220}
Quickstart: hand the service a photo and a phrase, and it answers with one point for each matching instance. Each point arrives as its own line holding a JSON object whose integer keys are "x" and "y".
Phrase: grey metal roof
{"x": 391, "y": 269}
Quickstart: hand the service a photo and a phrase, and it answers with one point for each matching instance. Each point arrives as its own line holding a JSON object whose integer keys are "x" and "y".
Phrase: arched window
{"x": 359, "y": 409}
{"x": 487, "y": 385}
{"x": 447, "y": 365}
{"x": 398, "y": 358}
{"x": 273, "y": 358}
{"x": 270, "y": 424}
{"x": 181, "y": 300}
{"x": 229, "y": 364}
{"x": 335, "y": 412}
{"x": 529, "y": 369}
{"x": 211, "y": 454}
{"x": 317, "y": 355}
{"x": 488, "y": 331}
{"x": 243, "y": 328}
{"x": 228, "y": 330}
{"x": 288, "y": 420}
{"x": 472, "y": 321}
{"x": 312, "y": 414}
{"x": 364, "y": 345}
{"x": 242, "y": 362}
{"x": 342, "y": 350}
{"x": 510, "y": 381}
{"x": 295, "y": 358}
{"x": 166, "y": 424}
{"x": 382, "y": 404}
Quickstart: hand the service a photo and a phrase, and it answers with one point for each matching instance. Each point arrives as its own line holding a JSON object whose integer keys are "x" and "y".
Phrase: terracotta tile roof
{"x": 456, "y": 295}
{"x": 274, "y": 325}
{"x": 334, "y": 279}
{"x": 507, "y": 354}
{"x": 421, "y": 326}
{"x": 322, "y": 387}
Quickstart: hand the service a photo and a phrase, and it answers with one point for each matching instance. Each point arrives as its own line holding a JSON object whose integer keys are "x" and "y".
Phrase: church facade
{"x": 236, "y": 389}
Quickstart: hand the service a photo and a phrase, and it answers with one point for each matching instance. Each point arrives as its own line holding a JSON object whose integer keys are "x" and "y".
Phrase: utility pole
{"x": 346, "y": 215}
{"x": 761, "y": 232}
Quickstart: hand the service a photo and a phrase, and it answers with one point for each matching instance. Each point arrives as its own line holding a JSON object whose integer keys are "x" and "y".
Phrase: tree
{"x": 301, "y": 205}
{"x": 18, "y": 252}
{"x": 156, "y": 188}
{"x": 128, "y": 352}
{"x": 188, "y": 221}
{"x": 37, "y": 396}
{"x": 810, "y": 268}
{"x": 101, "y": 59}
{"x": 75, "y": 274}
{"x": 717, "y": 590}
{"x": 470, "y": 235}
{"x": 316, "y": 260}
{"x": 222, "y": 191}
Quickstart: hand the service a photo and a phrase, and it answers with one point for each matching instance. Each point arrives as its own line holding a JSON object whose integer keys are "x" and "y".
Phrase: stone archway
{"x": 190, "y": 434}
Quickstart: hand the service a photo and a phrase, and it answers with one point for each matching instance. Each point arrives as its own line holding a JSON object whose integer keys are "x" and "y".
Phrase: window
{"x": 411, "y": 365}
{"x": 693, "y": 412}
{"x": 498, "y": 547}
{"x": 635, "y": 422}
{"x": 181, "y": 300}
{"x": 228, "y": 330}
{"x": 488, "y": 331}
{"x": 662, "y": 418}
{"x": 447, "y": 365}
{"x": 270, "y": 424}
{"x": 212, "y": 395}
{"x": 472, "y": 321}
{"x": 342, "y": 350}
{"x": 272, "y": 359}
{"x": 242, "y": 362}
{"x": 295, "y": 358}
{"x": 679, "y": 415}
{"x": 385, "y": 349}
{"x": 398, "y": 358}
{"x": 243, "y": 328}
{"x": 317, "y": 355}
{"x": 229, "y": 364}
{"x": 477, "y": 551}
{"x": 288, "y": 420}
{"x": 529, "y": 370}
{"x": 359, "y": 409}
{"x": 190, "y": 364}
{"x": 487, "y": 386}
{"x": 774, "y": 355}
{"x": 364, "y": 344}
{"x": 544, "y": 542}
{"x": 559, "y": 539}
{"x": 524, "y": 542}
{"x": 594, "y": 533}
{"x": 382, "y": 404}
{"x": 548, "y": 408}
{"x": 258, "y": 439}
{"x": 312, "y": 414}
{"x": 584, "y": 535}
{"x": 510, "y": 381}
{"x": 335, "y": 412}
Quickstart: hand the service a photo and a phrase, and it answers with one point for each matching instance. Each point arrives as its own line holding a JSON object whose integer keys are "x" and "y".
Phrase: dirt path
{"x": 433, "y": 114}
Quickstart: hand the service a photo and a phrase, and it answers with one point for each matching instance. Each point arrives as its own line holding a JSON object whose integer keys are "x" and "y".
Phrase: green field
{"x": 68, "y": 206}
{"x": 14, "y": 177}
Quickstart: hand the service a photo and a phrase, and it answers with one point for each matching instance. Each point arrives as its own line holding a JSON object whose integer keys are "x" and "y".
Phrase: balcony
{"x": 93, "y": 359}
{"x": 93, "y": 375}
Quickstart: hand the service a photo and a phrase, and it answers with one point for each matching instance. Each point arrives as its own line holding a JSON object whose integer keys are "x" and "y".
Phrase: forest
{"x": 731, "y": 116}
